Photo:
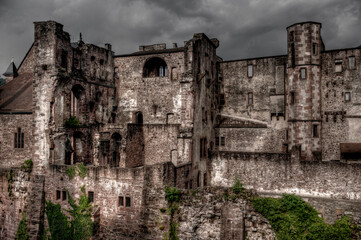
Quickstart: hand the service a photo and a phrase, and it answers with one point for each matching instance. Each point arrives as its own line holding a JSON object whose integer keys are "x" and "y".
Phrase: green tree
{"x": 23, "y": 231}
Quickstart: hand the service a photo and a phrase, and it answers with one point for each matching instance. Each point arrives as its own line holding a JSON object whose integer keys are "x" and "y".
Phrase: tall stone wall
{"x": 11, "y": 156}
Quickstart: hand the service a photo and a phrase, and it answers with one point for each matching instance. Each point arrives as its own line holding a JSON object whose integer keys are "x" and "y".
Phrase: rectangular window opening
{"x": 64, "y": 195}
{"x": 315, "y": 130}
{"x": 338, "y": 66}
{"x": 91, "y": 196}
{"x": 351, "y": 62}
{"x": 250, "y": 70}
{"x": 250, "y": 98}
{"x": 120, "y": 201}
{"x": 127, "y": 201}
{"x": 314, "y": 49}
{"x": 223, "y": 141}
{"x": 292, "y": 96}
{"x": 58, "y": 194}
{"x": 347, "y": 96}
{"x": 303, "y": 73}
{"x": 217, "y": 141}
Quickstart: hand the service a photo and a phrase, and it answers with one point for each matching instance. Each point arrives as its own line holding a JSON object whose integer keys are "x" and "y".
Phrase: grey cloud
{"x": 245, "y": 28}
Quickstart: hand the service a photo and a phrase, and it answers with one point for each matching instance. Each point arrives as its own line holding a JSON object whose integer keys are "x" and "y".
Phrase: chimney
{"x": 108, "y": 46}
{"x": 175, "y": 45}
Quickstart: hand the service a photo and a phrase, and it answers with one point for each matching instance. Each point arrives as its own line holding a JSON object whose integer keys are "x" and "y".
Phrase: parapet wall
{"x": 277, "y": 173}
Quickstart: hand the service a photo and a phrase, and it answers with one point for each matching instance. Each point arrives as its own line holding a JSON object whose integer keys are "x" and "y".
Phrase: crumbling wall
{"x": 14, "y": 187}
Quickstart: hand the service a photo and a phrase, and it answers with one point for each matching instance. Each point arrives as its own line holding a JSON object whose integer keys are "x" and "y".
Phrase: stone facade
{"x": 181, "y": 117}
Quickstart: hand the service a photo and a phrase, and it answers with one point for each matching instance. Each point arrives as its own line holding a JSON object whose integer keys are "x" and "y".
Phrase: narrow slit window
{"x": 351, "y": 62}
{"x": 127, "y": 201}
{"x": 293, "y": 99}
{"x": 250, "y": 98}
{"x": 217, "y": 141}
{"x": 315, "y": 130}
{"x": 19, "y": 139}
{"x": 223, "y": 141}
{"x": 121, "y": 202}
{"x": 303, "y": 73}
{"x": 314, "y": 49}
{"x": 91, "y": 196}
{"x": 250, "y": 70}
{"x": 58, "y": 194}
{"x": 64, "y": 195}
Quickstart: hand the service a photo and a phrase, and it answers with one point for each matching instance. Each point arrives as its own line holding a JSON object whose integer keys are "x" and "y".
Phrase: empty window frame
{"x": 63, "y": 195}
{"x": 221, "y": 99}
{"x": 91, "y": 196}
{"x": 314, "y": 49}
{"x": 303, "y": 73}
{"x": 315, "y": 130}
{"x": 351, "y": 62}
{"x": 250, "y": 98}
{"x": 120, "y": 201}
{"x": 58, "y": 194}
{"x": 347, "y": 96}
{"x": 127, "y": 201}
{"x": 217, "y": 141}
{"x": 223, "y": 141}
{"x": 250, "y": 70}
{"x": 292, "y": 97}
{"x": 338, "y": 66}
{"x": 19, "y": 139}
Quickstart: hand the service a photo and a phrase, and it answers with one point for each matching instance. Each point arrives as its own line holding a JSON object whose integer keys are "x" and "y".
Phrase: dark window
{"x": 19, "y": 139}
{"x": 58, "y": 194}
{"x": 139, "y": 118}
{"x": 121, "y": 202}
{"x": 155, "y": 67}
{"x": 199, "y": 179}
{"x": 201, "y": 147}
{"x": 92, "y": 58}
{"x": 101, "y": 62}
{"x": 315, "y": 130}
{"x": 186, "y": 185}
{"x": 250, "y": 98}
{"x": 91, "y": 196}
{"x": 64, "y": 59}
{"x": 292, "y": 96}
{"x": 217, "y": 141}
{"x": 190, "y": 184}
{"x": 127, "y": 201}
{"x": 303, "y": 73}
{"x": 250, "y": 71}
{"x": 64, "y": 195}
{"x": 221, "y": 99}
{"x": 314, "y": 49}
{"x": 347, "y": 96}
{"x": 104, "y": 147}
{"x": 351, "y": 62}
{"x": 223, "y": 141}
{"x": 205, "y": 179}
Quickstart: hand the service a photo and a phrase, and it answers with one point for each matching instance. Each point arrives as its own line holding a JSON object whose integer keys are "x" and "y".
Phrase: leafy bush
{"x": 172, "y": 194}
{"x": 23, "y": 231}
{"x": 72, "y": 122}
{"x": 27, "y": 166}
{"x": 78, "y": 227}
{"x": 70, "y": 171}
{"x": 82, "y": 170}
{"x": 293, "y": 218}
{"x": 237, "y": 186}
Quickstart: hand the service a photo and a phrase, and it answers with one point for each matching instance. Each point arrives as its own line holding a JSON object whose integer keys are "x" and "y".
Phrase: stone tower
{"x": 303, "y": 88}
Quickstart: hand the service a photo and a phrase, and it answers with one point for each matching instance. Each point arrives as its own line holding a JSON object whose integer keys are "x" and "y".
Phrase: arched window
{"x": 76, "y": 93}
{"x": 155, "y": 67}
{"x": 139, "y": 118}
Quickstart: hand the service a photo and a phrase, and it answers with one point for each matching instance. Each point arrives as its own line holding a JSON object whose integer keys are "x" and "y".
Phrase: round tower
{"x": 303, "y": 88}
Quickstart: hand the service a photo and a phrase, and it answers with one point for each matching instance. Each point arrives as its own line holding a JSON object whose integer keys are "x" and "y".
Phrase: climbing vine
{"x": 70, "y": 171}
{"x": 23, "y": 231}
{"x": 72, "y": 122}
{"x": 82, "y": 170}
{"x": 27, "y": 166}
{"x": 172, "y": 196}
{"x": 10, "y": 182}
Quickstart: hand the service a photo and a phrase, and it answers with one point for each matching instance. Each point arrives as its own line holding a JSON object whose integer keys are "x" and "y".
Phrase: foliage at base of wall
{"x": 172, "y": 195}
{"x": 23, "y": 231}
{"x": 78, "y": 226}
{"x": 293, "y": 218}
{"x": 72, "y": 122}
{"x": 27, "y": 166}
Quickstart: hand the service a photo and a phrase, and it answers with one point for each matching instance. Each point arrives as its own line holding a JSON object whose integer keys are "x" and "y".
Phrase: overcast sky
{"x": 245, "y": 29}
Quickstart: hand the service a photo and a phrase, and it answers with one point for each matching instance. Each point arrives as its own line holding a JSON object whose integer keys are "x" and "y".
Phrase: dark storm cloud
{"x": 244, "y": 28}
